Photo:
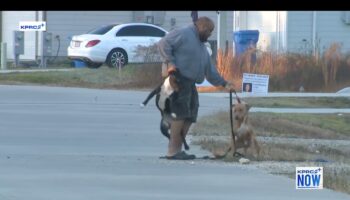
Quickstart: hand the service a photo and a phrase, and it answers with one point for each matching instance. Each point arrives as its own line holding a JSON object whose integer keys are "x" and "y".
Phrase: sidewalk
{"x": 279, "y": 94}
{"x": 225, "y": 95}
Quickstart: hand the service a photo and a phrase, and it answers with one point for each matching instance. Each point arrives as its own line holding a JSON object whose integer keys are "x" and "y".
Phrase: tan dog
{"x": 244, "y": 134}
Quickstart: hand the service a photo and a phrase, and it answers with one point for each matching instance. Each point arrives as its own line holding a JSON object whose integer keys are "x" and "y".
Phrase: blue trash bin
{"x": 245, "y": 39}
{"x": 79, "y": 64}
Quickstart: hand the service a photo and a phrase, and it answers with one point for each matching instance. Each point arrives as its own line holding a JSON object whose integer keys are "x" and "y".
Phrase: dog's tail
{"x": 235, "y": 154}
{"x": 224, "y": 155}
{"x": 150, "y": 96}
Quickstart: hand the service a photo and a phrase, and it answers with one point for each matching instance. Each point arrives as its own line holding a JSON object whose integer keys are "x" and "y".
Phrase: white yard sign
{"x": 255, "y": 83}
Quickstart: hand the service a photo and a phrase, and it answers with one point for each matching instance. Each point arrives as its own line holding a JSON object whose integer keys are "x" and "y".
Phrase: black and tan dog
{"x": 169, "y": 87}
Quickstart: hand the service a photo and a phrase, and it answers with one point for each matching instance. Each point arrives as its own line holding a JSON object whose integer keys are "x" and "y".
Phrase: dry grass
{"x": 132, "y": 76}
{"x": 330, "y": 64}
{"x": 224, "y": 63}
{"x": 147, "y": 76}
{"x": 149, "y": 54}
{"x": 337, "y": 178}
{"x": 289, "y": 71}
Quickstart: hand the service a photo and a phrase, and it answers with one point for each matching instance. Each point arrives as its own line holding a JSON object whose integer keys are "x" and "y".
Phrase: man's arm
{"x": 216, "y": 79}
{"x": 168, "y": 44}
{"x": 213, "y": 75}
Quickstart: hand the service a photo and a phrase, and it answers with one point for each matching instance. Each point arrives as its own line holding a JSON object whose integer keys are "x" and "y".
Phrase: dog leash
{"x": 238, "y": 99}
{"x": 235, "y": 153}
{"x": 231, "y": 120}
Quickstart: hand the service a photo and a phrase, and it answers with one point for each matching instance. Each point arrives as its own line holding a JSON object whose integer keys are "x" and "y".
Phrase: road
{"x": 87, "y": 144}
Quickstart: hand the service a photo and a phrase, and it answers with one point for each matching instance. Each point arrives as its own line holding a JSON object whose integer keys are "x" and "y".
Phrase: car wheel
{"x": 116, "y": 57}
{"x": 94, "y": 65}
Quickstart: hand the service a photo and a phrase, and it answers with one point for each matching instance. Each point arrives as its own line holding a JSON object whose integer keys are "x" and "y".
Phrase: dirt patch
{"x": 286, "y": 142}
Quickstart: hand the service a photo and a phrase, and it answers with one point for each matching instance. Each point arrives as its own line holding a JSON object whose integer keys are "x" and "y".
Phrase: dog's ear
{"x": 248, "y": 106}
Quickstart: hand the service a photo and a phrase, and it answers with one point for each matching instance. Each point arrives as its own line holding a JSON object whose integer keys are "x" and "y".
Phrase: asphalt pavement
{"x": 85, "y": 144}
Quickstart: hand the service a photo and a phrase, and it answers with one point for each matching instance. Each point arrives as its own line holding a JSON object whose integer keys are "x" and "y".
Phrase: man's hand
{"x": 230, "y": 86}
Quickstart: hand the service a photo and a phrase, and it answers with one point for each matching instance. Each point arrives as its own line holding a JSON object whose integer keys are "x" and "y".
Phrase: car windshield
{"x": 101, "y": 30}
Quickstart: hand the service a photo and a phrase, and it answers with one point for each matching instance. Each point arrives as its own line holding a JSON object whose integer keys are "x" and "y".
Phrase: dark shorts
{"x": 184, "y": 103}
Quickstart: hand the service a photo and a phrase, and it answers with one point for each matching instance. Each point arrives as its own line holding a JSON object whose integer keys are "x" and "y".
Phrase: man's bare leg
{"x": 186, "y": 127}
{"x": 175, "y": 142}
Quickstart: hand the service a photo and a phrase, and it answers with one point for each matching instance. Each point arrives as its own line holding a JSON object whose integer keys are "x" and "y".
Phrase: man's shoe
{"x": 181, "y": 156}
{"x": 238, "y": 155}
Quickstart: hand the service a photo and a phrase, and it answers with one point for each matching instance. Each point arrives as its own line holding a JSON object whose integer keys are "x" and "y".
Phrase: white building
{"x": 279, "y": 30}
{"x": 296, "y": 30}
{"x": 64, "y": 24}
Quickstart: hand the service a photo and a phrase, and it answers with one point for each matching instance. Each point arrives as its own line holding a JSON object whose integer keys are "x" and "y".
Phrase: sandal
{"x": 181, "y": 156}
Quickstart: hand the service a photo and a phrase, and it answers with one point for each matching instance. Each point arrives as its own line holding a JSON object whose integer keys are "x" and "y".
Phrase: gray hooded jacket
{"x": 183, "y": 49}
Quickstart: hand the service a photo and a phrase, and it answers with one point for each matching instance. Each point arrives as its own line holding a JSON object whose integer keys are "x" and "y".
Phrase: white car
{"x": 114, "y": 44}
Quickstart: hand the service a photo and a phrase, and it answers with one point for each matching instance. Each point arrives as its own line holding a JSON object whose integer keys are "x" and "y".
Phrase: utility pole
{"x": 3, "y": 55}
{"x": 222, "y": 29}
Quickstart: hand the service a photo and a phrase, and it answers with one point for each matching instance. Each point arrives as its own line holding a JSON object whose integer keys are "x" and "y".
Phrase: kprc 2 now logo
{"x": 32, "y": 26}
{"x": 309, "y": 177}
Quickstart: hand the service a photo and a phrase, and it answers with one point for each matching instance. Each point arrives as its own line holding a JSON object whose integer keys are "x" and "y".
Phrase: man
{"x": 184, "y": 50}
